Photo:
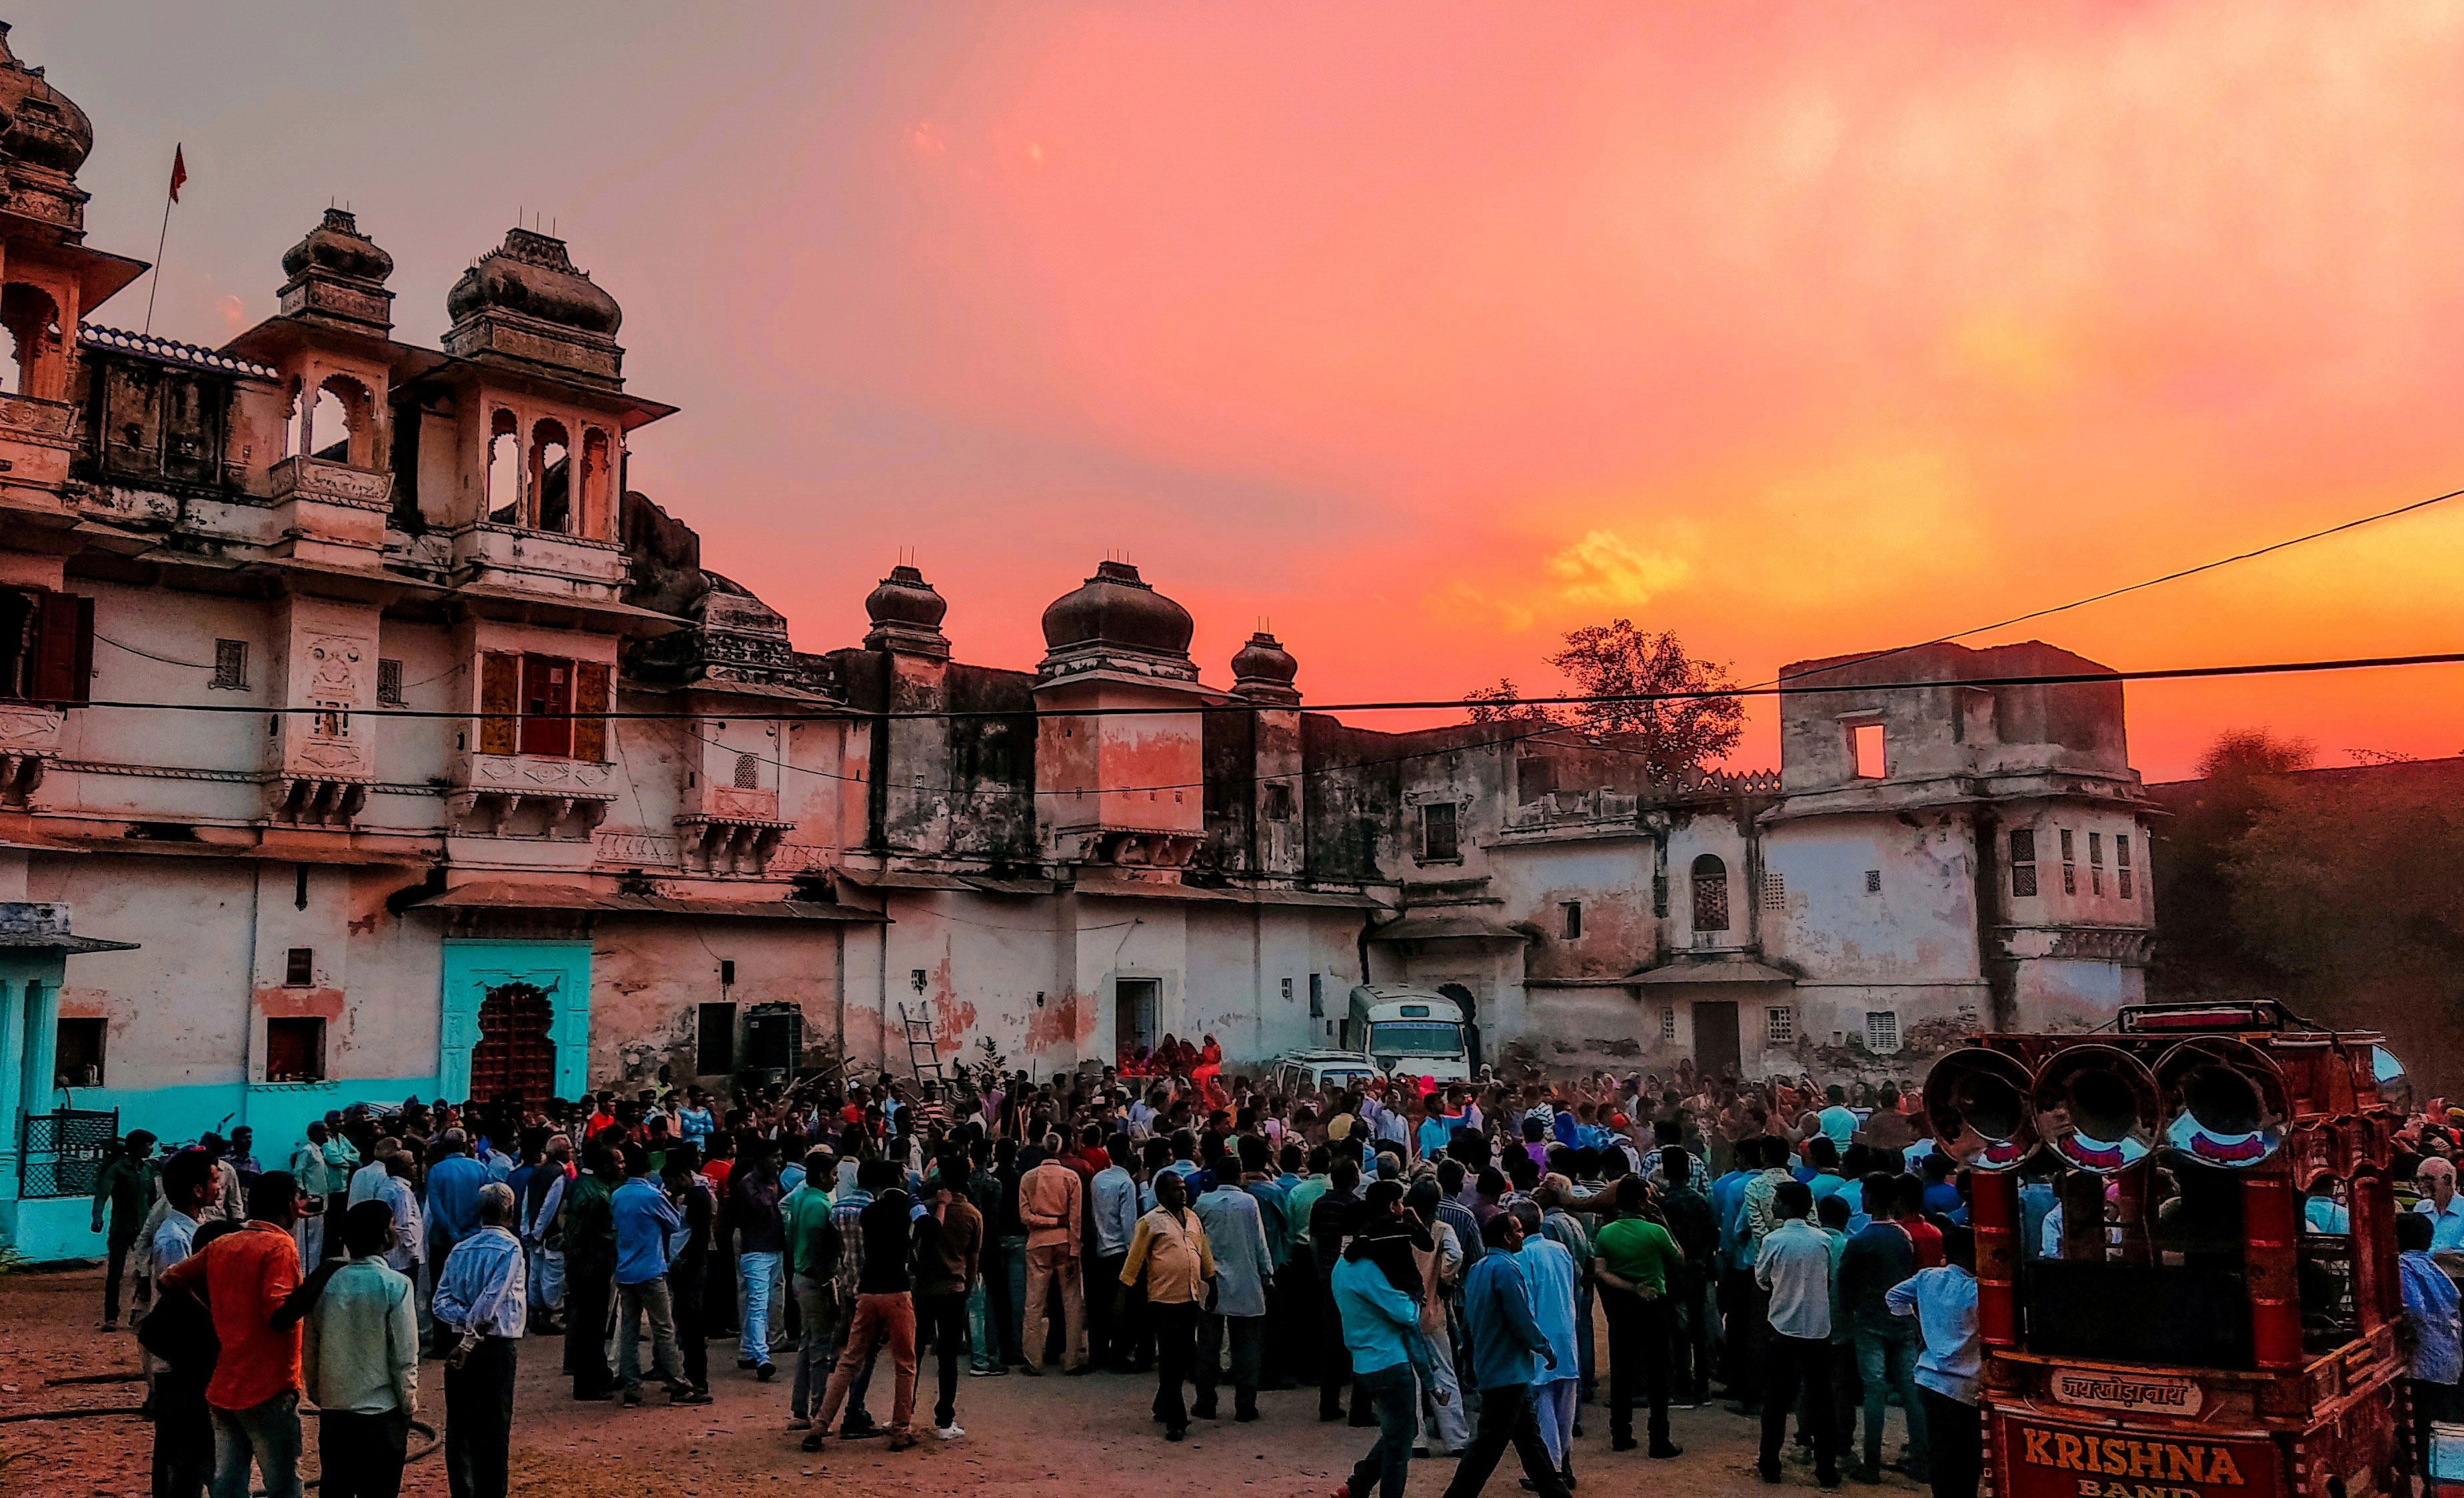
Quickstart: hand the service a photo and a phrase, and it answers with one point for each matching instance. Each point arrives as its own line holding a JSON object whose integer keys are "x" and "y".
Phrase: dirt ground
{"x": 1024, "y": 1436}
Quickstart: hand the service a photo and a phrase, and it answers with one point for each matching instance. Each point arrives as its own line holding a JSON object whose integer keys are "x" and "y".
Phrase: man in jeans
{"x": 243, "y": 1278}
{"x": 753, "y": 1211}
{"x": 948, "y": 1248}
{"x": 1381, "y": 1333}
{"x": 1875, "y": 1260}
{"x": 884, "y": 1305}
{"x": 644, "y": 1217}
{"x": 1793, "y": 1268}
{"x": 1049, "y": 1195}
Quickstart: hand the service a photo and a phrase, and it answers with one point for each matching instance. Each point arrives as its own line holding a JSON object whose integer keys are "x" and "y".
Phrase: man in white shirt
{"x": 1795, "y": 1266}
{"x": 481, "y": 1302}
{"x": 1944, "y": 1302}
{"x": 191, "y": 1187}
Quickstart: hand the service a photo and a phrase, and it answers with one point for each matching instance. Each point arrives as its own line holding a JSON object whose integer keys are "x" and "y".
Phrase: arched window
{"x": 748, "y": 771}
{"x": 335, "y": 429}
{"x": 1710, "y": 893}
{"x": 504, "y": 467}
{"x": 551, "y": 476}
{"x": 35, "y": 366}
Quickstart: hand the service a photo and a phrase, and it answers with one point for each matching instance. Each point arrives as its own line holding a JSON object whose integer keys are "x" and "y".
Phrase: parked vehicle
{"x": 1408, "y": 1030}
{"x": 1320, "y": 1070}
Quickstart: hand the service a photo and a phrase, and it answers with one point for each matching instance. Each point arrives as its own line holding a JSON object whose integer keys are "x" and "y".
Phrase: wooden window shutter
{"x": 501, "y": 688}
{"x": 63, "y": 648}
{"x": 589, "y": 695}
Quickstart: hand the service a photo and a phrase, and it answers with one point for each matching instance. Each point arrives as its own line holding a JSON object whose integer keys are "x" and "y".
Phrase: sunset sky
{"x": 1428, "y": 332}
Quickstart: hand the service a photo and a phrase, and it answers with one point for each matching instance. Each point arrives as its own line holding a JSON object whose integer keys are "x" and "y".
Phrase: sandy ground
{"x": 1024, "y": 1436}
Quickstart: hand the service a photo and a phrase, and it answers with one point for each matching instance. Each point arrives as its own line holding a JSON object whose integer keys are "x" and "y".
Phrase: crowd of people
{"x": 1437, "y": 1260}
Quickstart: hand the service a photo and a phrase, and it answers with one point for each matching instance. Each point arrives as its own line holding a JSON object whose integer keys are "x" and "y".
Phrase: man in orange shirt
{"x": 243, "y": 1278}
{"x": 1049, "y": 1195}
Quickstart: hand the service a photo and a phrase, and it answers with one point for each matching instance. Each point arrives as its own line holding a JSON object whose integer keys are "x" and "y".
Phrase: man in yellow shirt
{"x": 1169, "y": 1250}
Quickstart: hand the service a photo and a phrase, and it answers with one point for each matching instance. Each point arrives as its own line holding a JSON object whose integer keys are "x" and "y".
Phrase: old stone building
{"x": 382, "y": 740}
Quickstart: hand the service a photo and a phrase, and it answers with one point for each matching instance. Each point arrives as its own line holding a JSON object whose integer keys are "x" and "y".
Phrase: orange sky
{"x": 1429, "y": 332}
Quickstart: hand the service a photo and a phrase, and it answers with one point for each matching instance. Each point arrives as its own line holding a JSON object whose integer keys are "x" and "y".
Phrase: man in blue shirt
{"x": 1381, "y": 1330}
{"x": 2430, "y": 1315}
{"x": 645, "y": 1218}
{"x": 2439, "y": 1204}
{"x": 1507, "y": 1350}
{"x": 1837, "y": 1120}
{"x": 1944, "y": 1302}
{"x": 453, "y": 1207}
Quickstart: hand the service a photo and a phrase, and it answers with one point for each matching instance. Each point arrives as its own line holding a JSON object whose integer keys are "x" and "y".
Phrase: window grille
{"x": 1779, "y": 1024}
{"x": 2023, "y": 861}
{"x": 388, "y": 683}
{"x": 1882, "y": 1031}
{"x": 230, "y": 665}
{"x": 748, "y": 771}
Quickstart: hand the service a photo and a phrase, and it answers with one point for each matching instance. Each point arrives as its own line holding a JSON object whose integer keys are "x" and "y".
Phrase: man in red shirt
{"x": 243, "y": 1278}
{"x": 1910, "y": 1215}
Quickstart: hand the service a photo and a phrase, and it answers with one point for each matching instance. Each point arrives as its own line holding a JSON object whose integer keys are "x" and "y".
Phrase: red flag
{"x": 179, "y": 170}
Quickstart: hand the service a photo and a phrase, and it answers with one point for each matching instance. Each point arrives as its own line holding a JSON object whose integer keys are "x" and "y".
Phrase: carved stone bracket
{"x": 314, "y": 801}
{"x": 730, "y": 846}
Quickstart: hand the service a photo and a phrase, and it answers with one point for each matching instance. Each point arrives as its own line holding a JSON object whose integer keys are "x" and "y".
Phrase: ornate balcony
{"x": 538, "y": 561}
{"x": 330, "y": 512}
{"x": 36, "y": 438}
{"x": 731, "y": 830}
{"x": 529, "y": 795}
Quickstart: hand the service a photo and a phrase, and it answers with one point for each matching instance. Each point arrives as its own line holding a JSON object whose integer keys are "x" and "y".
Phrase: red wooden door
{"x": 515, "y": 1059}
{"x": 547, "y": 706}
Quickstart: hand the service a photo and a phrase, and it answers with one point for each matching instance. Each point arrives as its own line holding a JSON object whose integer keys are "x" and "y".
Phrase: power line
{"x": 2133, "y": 588}
{"x": 1241, "y": 706}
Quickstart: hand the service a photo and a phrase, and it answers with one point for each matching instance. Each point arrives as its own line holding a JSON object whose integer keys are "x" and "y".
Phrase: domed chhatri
{"x": 524, "y": 304}
{"x": 44, "y": 127}
{"x": 337, "y": 274}
{"x": 1264, "y": 659}
{"x": 1117, "y": 609}
{"x": 905, "y": 598}
{"x": 1264, "y": 671}
{"x": 906, "y": 614}
{"x": 337, "y": 246}
{"x": 531, "y": 275}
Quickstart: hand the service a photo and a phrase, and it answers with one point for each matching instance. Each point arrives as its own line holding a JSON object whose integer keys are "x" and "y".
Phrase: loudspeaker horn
{"x": 2226, "y": 1102}
{"x": 1977, "y": 1102}
{"x": 2097, "y": 1108}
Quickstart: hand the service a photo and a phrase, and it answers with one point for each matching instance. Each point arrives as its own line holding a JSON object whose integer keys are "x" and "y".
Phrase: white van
{"x": 1408, "y": 1030}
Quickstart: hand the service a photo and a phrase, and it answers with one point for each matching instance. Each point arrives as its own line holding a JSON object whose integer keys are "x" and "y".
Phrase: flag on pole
{"x": 179, "y": 170}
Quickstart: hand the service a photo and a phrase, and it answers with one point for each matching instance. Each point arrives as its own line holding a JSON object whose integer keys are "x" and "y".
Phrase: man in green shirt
{"x": 126, "y": 1183}
{"x": 1633, "y": 1257}
{"x": 810, "y": 1262}
{"x": 360, "y": 1358}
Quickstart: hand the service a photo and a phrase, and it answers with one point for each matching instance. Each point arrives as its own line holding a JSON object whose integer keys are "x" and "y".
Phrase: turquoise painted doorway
{"x": 515, "y": 1019}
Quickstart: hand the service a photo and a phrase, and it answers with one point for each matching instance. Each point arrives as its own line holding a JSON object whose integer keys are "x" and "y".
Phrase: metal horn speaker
{"x": 2097, "y": 1108}
{"x": 1977, "y": 1102}
{"x": 2226, "y": 1102}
